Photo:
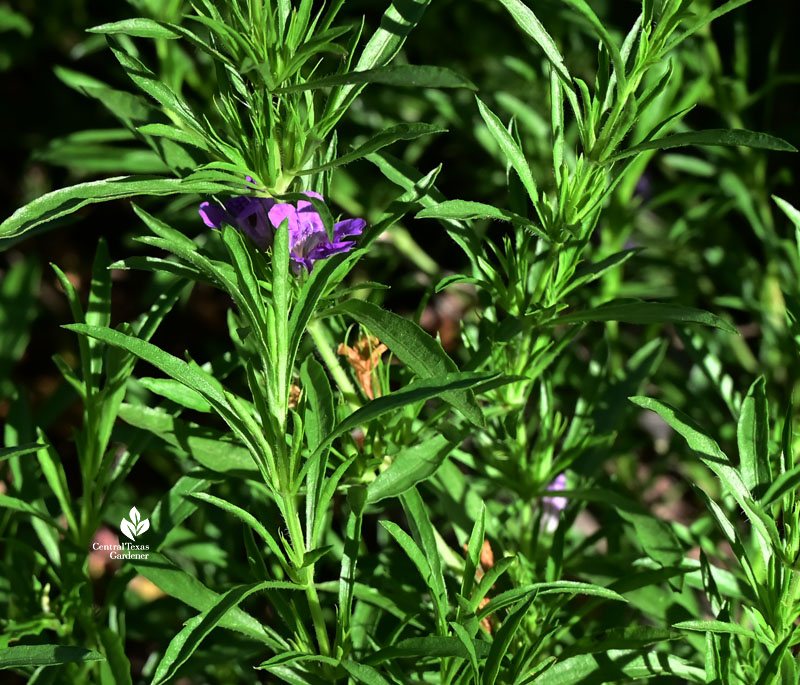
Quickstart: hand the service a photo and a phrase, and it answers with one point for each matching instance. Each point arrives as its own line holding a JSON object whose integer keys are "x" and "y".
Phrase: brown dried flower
{"x": 363, "y": 357}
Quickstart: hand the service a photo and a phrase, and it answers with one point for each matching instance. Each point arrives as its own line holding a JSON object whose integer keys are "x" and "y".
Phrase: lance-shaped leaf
{"x": 641, "y": 312}
{"x": 196, "y": 629}
{"x": 714, "y": 137}
{"x": 414, "y": 347}
{"x": 140, "y": 27}
{"x": 378, "y": 141}
{"x": 409, "y": 75}
{"x": 397, "y": 22}
{"x": 59, "y": 203}
{"x": 752, "y": 436}
{"x": 713, "y": 457}
{"x": 20, "y": 656}
{"x": 411, "y": 466}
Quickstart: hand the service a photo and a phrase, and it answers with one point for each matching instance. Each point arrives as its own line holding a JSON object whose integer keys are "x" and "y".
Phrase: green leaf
{"x": 511, "y": 151}
{"x": 245, "y": 517}
{"x": 502, "y": 641}
{"x": 408, "y": 75}
{"x": 411, "y": 549}
{"x": 20, "y": 450}
{"x": 752, "y": 436}
{"x": 191, "y": 376}
{"x": 656, "y": 537}
{"x": 19, "y": 293}
{"x": 98, "y": 312}
{"x": 138, "y": 26}
{"x": 117, "y": 664}
{"x": 789, "y": 210}
{"x": 16, "y": 504}
{"x": 411, "y": 466}
{"x": 713, "y": 457}
{"x": 363, "y": 673}
{"x": 474, "y": 548}
{"x": 641, "y": 312}
{"x": 414, "y": 347}
{"x": 87, "y": 152}
{"x": 425, "y": 536}
{"x": 376, "y": 142}
{"x": 628, "y": 637}
{"x": 174, "y": 508}
{"x": 773, "y": 663}
{"x": 698, "y": 24}
{"x": 14, "y": 21}
{"x": 196, "y": 629}
{"x": 65, "y": 201}
{"x": 786, "y": 482}
{"x": 176, "y": 134}
{"x": 186, "y": 588}
{"x": 320, "y": 414}
{"x": 619, "y": 664}
{"x": 714, "y": 137}
{"x": 395, "y": 25}
{"x": 464, "y": 210}
{"x": 433, "y": 646}
{"x": 176, "y": 392}
{"x": 471, "y": 646}
{"x": 528, "y": 22}
{"x": 56, "y": 477}
{"x": 557, "y": 587}
{"x": 605, "y": 38}
{"x": 586, "y": 273}
{"x": 157, "y": 89}
{"x": 206, "y": 446}
{"x": 45, "y": 655}
{"x": 715, "y": 627}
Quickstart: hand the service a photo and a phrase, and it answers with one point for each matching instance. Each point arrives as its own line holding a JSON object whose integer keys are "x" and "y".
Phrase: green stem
{"x": 325, "y": 349}
{"x": 307, "y": 573}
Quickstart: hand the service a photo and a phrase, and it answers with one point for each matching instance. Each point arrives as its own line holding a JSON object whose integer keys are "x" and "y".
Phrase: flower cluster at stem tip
{"x": 258, "y": 217}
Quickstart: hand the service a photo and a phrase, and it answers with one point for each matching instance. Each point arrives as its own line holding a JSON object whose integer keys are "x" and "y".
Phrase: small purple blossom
{"x": 248, "y": 214}
{"x": 308, "y": 240}
{"x": 553, "y": 506}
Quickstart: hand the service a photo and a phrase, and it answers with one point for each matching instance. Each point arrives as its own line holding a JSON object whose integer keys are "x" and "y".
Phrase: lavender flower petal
{"x": 308, "y": 240}
{"x": 213, "y": 215}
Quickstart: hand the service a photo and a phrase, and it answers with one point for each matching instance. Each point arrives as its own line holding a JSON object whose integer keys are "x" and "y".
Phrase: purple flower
{"x": 553, "y": 506}
{"x": 248, "y": 214}
{"x": 308, "y": 239}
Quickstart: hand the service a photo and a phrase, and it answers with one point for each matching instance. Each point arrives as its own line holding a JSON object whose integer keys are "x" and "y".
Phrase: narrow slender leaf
{"x": 408, "y": 75}
{"x": 376, "y": 142}
{"x": 20, "y": 450}
{"x": 528, "y": 22}
{"x": 45, "y": 655}
{"x": 411, "y": 466}
{"x": 715, "y": 627}
{"x": 512, "y": 152}
{"x": 752, "y": 435}
{"x": 619, "y": 664}
{"x": 502, "y": 641}
{"x": 641, "y": 312}
{"x": 713, "y": 137}
{"x": 139, "y": 26}
{"x": 61, "y": 202}
{"x": 184, "y": 644}
{"x": 179, "y": 584}
{"x": 414, "y": 347}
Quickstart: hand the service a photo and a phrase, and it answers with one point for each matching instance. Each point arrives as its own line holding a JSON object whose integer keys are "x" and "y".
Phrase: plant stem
{"x": 322, "y": 341}
{"x": 306, "y": 573}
